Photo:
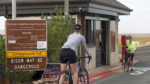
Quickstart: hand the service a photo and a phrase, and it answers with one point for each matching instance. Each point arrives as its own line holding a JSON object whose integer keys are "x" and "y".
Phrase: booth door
{"x": 101, "y": 29}
{"x": 97, "y": 25}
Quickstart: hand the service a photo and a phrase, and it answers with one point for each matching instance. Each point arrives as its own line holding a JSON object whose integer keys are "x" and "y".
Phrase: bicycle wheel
{"x": 83, "y": 76}
{"x": 66, "y": 78}
{"x": 7, "y": 74}
{"x": 128, "y": 63}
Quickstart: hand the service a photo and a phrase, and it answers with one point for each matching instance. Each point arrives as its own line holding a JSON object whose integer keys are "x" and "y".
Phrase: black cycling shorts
{"x": 127, "y": 55}
{"x": 67, "y": 55}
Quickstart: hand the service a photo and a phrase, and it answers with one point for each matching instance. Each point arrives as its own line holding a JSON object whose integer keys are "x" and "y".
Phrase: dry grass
{"x": 143, "y": 39}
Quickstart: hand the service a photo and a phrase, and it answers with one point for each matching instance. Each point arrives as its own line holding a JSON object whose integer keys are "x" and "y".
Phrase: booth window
{"x": 90, "y": 32}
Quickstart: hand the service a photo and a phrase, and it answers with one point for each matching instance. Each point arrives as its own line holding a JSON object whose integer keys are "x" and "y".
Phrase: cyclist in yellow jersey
{"x": 131, "y": 46}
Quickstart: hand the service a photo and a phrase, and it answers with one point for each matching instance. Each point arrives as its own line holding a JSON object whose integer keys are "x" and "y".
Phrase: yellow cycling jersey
{"x": 131, "y": 46}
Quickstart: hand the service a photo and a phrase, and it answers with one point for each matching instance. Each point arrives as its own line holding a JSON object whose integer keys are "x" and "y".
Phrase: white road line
{"x": 140, "y": 71}
{"x": 136, "y": 73}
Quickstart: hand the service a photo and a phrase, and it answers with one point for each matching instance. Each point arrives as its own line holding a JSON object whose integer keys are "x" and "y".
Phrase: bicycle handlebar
{"x": 81, "y": 57}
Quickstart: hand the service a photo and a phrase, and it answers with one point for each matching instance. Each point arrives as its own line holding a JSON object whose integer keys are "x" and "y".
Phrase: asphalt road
{"x": 140, "y": 75}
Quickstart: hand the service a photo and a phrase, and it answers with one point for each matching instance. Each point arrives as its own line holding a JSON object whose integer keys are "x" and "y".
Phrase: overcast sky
{"x": 139, "y": 20}
{"x": 2, "y": 19}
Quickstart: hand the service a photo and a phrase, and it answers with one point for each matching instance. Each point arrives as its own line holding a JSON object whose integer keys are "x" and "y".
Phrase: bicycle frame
{"x": 127, "y": 62}
{"x": 80, "y": 69}
{"x": 70, "y": 75}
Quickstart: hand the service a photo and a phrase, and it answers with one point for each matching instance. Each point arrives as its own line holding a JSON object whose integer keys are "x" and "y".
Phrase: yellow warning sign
{"x": 26, "y": 54}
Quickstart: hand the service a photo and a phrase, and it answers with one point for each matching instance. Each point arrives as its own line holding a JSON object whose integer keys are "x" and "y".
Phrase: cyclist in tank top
{"x": 68, "y": 50}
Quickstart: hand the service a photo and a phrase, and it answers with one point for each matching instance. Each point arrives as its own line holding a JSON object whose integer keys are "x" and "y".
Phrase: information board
{"x": 26, "y": 35}
{"x": 26, "y": 44}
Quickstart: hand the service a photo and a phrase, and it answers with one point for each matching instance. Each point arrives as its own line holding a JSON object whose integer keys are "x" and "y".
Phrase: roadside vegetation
{"x": 58, "y": 28}
{"x": 2, "y": 49}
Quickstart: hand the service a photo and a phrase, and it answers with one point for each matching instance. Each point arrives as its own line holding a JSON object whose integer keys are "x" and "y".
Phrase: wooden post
{"x": 81, "y": 20}
{"x": 66, "y": 7}
{"x": 14, "y": 9}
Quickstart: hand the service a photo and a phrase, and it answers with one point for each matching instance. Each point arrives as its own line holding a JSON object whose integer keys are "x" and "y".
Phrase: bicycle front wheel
{"x": 83, "y": 76}
{"x": 129, "y": 64}
{"x": 63, "y": 78}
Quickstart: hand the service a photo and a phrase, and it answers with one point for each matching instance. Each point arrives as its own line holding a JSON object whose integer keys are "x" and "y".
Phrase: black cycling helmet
{"x": 128, "y": 37}
{"x": 77, "y": 26}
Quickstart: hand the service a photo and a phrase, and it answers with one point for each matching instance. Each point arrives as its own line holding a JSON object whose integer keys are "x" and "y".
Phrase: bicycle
{"x": 83, "y": 75}
{"x": 127, "y": 62}
{"x": 5, "y": 70}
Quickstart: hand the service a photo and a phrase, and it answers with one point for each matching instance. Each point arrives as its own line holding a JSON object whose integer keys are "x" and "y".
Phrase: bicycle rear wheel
{"x": 7, "y": 73}
{"x": 83, "y": 76}
{"x": 66, "y": 78}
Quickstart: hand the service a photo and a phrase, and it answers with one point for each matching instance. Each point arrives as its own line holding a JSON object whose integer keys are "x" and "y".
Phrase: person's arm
{"x": 84, "y": 46}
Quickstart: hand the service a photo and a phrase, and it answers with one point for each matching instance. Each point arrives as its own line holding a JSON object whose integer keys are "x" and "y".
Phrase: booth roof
{"x": 112, "y": 3}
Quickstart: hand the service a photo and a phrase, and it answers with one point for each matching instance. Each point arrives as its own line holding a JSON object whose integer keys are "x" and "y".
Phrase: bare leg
{"x": 74, "y": 68}
{"x": 132, "y": 64}
{"x": 63, "y": 67}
